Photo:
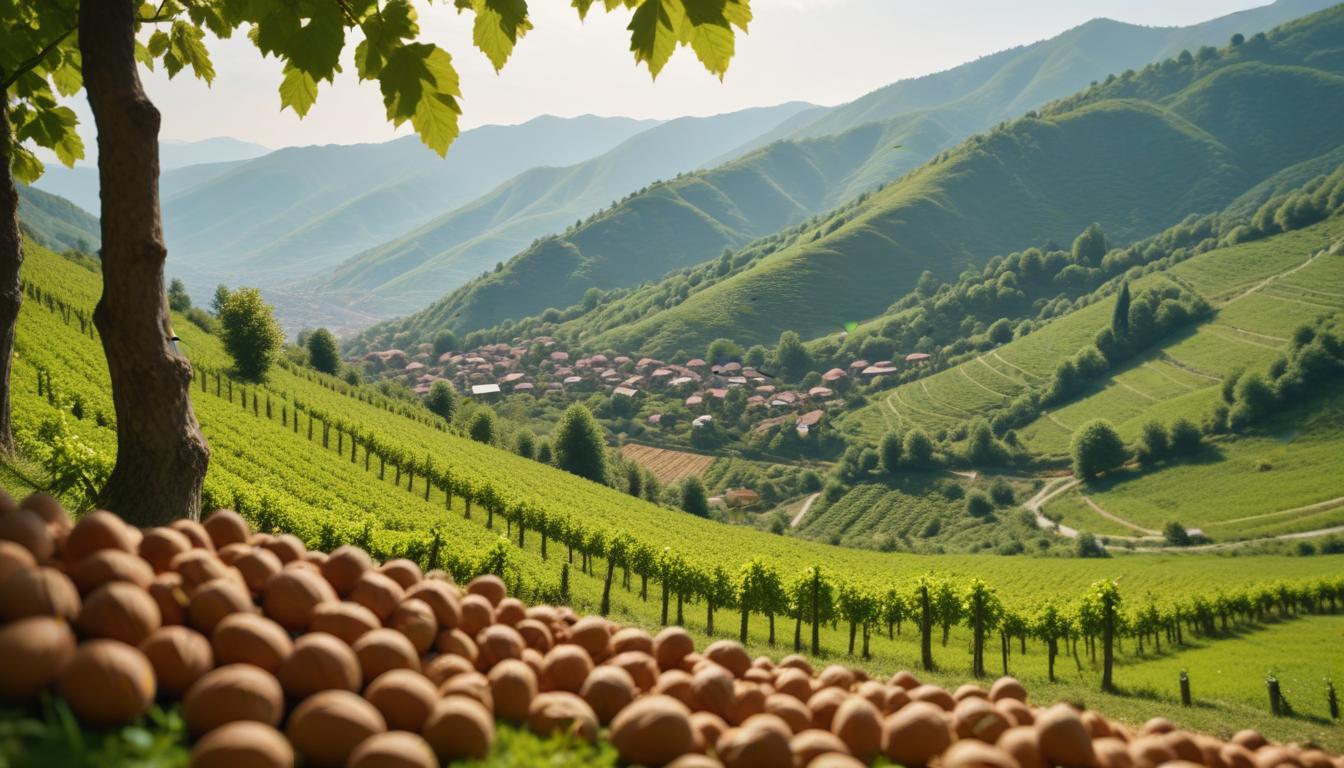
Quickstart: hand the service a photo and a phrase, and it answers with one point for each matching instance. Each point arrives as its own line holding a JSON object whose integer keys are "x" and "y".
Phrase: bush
{"x": 918, "y": 448}
{"x": 251, "y": 334}
{"x": 1086, "y": 545}
{"x": 482, "y": 426}
{"x": 1001, "y": 492}
{"x": 323, "y": 352}
{"x": 978, "y": 504}
{"x": 1096, "y": 449}
{"x": 1185, "y": 439}
{"x": 442, "y": 399}
{"x": 1175, "y": 534}
{"x": 694, "y": 499}
{"x": 525, "y": 444}
{"x": 889, "y": 450}
{"x": 1154, "y": 444}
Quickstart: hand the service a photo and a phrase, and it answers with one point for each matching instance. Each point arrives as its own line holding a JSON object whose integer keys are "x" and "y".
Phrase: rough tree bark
{"x": 11, "y": 259}
{"x": 161, "y": 453}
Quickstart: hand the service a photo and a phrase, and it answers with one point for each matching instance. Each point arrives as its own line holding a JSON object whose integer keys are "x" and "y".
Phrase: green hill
{"x": 285, "y": 478}
{"x": 412, "y": 270}
{"x": 829, "y": 159}
{"x": 1136, "y": 165}
{"x": 56, "y": 222}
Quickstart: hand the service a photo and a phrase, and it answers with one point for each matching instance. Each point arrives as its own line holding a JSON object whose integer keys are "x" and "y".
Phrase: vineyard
{"x": 307, "y": 454}
{"x": 667, "y": 465}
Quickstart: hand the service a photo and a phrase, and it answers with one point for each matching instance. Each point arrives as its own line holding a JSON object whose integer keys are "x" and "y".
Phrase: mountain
{"x": 222, "y": 149}
{"x": 302, "y": 209}
{"x": 811, "y": 164}
{"x": 1135, "y": 155}
{"x": 57, "y": 223}
{"x": 412, "y": 270}
{"x": 79, "y": 185}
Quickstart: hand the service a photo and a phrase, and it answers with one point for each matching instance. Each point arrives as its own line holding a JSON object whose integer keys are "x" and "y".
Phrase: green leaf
{"x": 315, "y": 47}
{"x": 419, "y": 84}
{"x": 143, "y": 55}
{"x": 25, "y": 165}
{"x": 158, "y": 43}
{"x": 298, "y": 90}
{"x": 68, "y": 78}
{"x": 582, "y": 7}
{"x": 499, "y": 24}
{"x": 654, "y": 31}
{"x": 706, "y": 30}
{"x": 738, "y": 13}
{"x": 186, "y": 47}
{"x": 383, "y": 33}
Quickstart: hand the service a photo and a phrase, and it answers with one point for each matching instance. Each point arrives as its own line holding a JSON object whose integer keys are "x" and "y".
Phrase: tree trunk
{"x": 742, "y": 635}
{"x": 771, "y": 618}
{"x": 665, "y": 590}
{"x": 161, "y": 453}
{"x": 606, "y": 585}
{"x": 11, "y": 259}
{"x": 1052, "y": 648}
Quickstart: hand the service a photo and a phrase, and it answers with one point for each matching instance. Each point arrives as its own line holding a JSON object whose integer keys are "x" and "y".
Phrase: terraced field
{"x": 1261, "y": 290}
{"x": 667, "y": 465}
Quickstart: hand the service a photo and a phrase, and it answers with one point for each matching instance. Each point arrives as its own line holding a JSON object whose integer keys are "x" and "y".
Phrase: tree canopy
{"x": 251, "y": 334}
{"x": 324, "y": 353}
{"x": 578, "y": 444}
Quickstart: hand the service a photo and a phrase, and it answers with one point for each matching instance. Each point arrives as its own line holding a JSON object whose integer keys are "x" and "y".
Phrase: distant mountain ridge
{"x": 414, "y": 269}
{"x": 872, "y": 140}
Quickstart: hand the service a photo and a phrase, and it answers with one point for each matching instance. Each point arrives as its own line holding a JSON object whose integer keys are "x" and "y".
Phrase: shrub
{"x": 1154, "y": 444}
{"x": 694, "y": 499}
{"x": 482, "y": 426}
{"x": 1176, "y": 535}
{"x": 442, "y": 399}
{"x": 978, "y": 504}
{"x": 1001, "y": 492}
{"x": 178, "y": 299}
{"x": 323, "y": 352}
{"x": 889, "y": 451}
{"x": 1185, "y": 439}
{"x": 1086, "y": 545}
{"x": 918, "y": 448}
{"x": 1096, "y": 449}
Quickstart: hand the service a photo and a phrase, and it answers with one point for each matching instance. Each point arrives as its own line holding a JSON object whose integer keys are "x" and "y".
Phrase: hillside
{"x": 302, "y": 209}
{"x": 56, "y": 222}
{"x": 285, "y": 478}
{"x": 1194, "y": 143}
{"x": 417, "y": 267}
{"x": 830, "y": 159}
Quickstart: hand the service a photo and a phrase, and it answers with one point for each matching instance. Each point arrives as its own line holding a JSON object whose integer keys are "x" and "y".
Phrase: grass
{"x": 1241, "y": 487}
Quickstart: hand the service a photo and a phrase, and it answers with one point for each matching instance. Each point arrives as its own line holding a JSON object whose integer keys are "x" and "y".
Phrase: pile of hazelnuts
{"x": 278, "y": 654}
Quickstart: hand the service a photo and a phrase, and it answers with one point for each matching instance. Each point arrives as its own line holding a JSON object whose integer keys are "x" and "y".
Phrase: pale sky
{"x": 822, "y": 51}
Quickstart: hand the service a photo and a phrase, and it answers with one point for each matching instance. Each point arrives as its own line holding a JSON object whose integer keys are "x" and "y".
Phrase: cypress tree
{"x": 1120, "y": 317}
{"x": 578, "y": 445}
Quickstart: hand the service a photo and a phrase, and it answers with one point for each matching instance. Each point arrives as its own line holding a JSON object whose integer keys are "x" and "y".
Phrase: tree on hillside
{"x": 579, "y": 446}
{"x": 218, "y": 299}
{"x": 792, "y": 357}
{"x": 694, "y": 498}
{"x": 442, "y": 399}
{"x": 918, "y": 447}
{"x": 161, "y": 453}
{"x": 1120, "y": 315}
{"x": 178, "y": 299}
{"x": 445, "y": 341}
{"x": 1097, "y": 448}
{"x": 1089, "y": 248}
{"x": 889, "y": 450}
{"x": 324, "y": 353}
{"x": 723, "y": 350}
{"x": 251, "y": 334}
{"x": 482, "y": 426}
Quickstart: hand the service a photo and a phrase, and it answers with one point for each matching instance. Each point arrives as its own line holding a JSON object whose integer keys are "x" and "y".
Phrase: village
{"x": 664, "y": 392}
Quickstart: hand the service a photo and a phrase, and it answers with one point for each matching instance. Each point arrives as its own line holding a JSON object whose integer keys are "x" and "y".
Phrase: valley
{"x": 1026, "y": 369}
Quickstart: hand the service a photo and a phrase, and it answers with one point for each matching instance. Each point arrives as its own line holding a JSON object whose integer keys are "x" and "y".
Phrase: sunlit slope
{"x": 1254, "y": 288}
{"x": 310, "y": 486}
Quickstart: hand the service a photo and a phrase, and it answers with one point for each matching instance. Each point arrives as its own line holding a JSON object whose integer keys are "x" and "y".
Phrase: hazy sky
{"x": 822, "y": 51}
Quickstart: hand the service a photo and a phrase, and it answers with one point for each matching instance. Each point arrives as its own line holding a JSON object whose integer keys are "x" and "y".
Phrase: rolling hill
{"x": 832, "y": 155}
{"x": 57, "y": 223}
{"x": 302, "y": 209}
{"x": 413, "y": 270}
{"x": 1136, "y": 155}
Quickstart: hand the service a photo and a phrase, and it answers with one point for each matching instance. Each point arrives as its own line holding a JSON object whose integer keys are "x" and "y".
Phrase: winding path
{"x": 802, "y": 511}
